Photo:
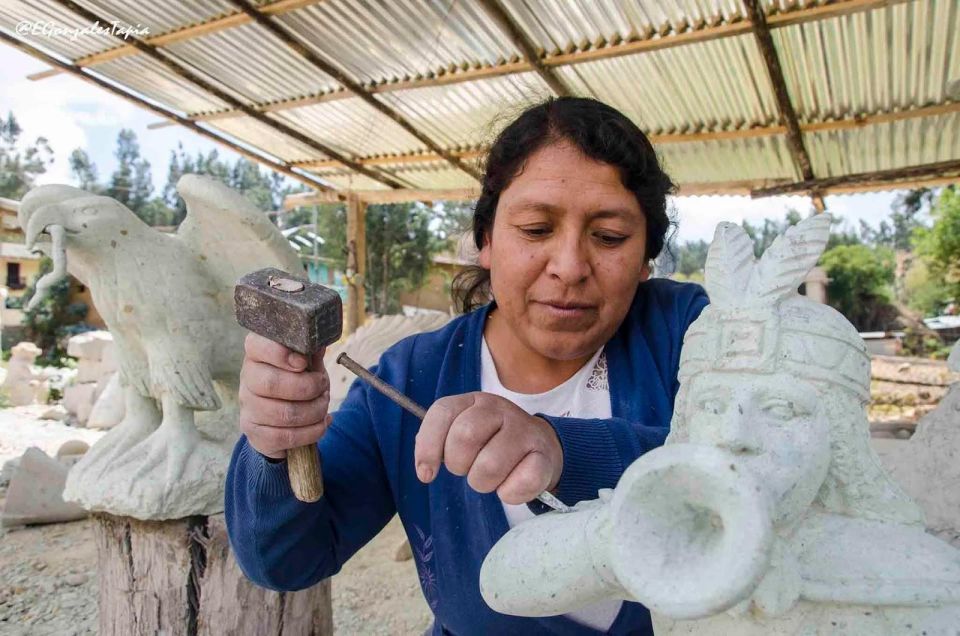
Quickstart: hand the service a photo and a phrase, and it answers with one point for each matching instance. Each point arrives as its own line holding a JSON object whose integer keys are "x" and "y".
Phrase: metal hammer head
{"x": 289, "y": 309}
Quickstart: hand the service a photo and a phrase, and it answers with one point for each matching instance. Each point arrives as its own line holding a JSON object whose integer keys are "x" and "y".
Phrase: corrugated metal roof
{"x": 842, "y": 60}
{"x": 885, "y": 146}
{"x": 253, "y": 63}
{"x": 351, "y": 126}
{"x": 716, "y": 85}
{"x": 152, "y": 79}
{"x": 467, "y": 114}
{"x": 43, "y": 15}
{"x": 379, "y": 42}
{"x": 267, "y": 139}
{"x": 729, "y": 160}
{"x": 884, "y": 60}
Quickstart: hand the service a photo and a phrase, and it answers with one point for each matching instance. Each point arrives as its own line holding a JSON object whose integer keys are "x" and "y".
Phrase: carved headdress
{"x": 757, "y": 322}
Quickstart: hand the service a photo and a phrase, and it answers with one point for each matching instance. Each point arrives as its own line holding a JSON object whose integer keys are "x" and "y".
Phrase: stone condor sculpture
{"x": 168, "y": 301}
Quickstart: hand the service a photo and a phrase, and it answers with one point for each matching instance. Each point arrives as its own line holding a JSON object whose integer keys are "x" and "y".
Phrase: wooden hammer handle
{"x": 303, "y": 467}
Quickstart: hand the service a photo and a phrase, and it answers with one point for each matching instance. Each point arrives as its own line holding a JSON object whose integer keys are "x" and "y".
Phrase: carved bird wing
{"x": 229, "y": 233}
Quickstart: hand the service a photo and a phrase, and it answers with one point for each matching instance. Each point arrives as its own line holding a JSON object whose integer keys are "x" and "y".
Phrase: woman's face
{"x": 566, "y": 253}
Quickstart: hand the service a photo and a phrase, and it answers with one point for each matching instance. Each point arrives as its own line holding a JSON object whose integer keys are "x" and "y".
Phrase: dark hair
{"x": 601, "y": 133}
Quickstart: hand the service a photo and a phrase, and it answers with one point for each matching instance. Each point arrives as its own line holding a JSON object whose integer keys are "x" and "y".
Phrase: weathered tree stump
{"x": 179, "y": 578}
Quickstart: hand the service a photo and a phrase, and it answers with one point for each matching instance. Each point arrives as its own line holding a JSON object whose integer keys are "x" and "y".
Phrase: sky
{"x": 73, "y": 114}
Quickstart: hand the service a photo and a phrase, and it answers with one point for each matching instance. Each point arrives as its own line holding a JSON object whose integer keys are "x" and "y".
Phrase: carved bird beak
{"x": 42, "y": 218}
{"x": 43, "y": 196}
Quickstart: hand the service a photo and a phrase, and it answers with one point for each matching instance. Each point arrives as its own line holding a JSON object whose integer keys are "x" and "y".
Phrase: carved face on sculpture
{"x": 774, "y": 424}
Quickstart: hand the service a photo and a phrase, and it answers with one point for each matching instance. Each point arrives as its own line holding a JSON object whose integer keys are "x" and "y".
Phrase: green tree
{"x": 265, "y": 188}
{"x": 860, "y": 280}
{"x": 692, "y": 257}
{"x": 924, "y": 291}
{"x": 764, "y": 235}
{"x": 400, "y": 245}
{"x": 84, "y": 170}
{"x": 53, "y": 320}
{"x": 19, "y": 167}
{"x": 939, "y": 245}
{"x": 131, "y": 183}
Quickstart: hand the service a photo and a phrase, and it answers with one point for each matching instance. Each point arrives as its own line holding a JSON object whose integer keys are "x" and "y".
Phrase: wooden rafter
{"x": 73, "y": 69}
{"x": 344, "y": 80}
{"x": 187, "y": 75}
{"x": 467, "y": 194}
{"x": 850, "y": 123}
{"x": 943, "y": 170}
{"x": 501, "y": 17}
{"x": 788, "y": 115}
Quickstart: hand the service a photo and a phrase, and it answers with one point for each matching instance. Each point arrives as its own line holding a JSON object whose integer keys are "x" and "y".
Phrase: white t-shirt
{"x": 584, "y": 395}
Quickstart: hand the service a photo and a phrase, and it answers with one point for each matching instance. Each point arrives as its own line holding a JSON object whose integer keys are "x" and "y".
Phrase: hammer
{"x": 305, "y": 317}
{"x": 302, "y": 316}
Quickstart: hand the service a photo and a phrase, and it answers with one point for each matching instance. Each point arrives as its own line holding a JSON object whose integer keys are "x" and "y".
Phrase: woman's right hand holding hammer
{"x": 282, "y": 404}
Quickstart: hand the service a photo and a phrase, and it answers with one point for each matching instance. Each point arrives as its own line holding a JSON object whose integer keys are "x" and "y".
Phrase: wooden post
{"x": 356, "y": 263}
{"x": 179, "y": 578}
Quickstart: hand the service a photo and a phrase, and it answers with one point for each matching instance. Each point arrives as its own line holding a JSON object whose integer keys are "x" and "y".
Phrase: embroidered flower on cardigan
{"x": 428, "y": 580}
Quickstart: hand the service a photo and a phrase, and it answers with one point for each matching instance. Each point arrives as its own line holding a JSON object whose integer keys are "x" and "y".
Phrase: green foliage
{"x": 400, "y": 245}
{"x": 924, "y": 291}
{"x": 939, "y": 245}
{"x": 55, "y": 319}
{"x": 19, "y": 167}
{"x": 265, "y": 188}
{"x": 764, "y": 235}
{"x": 860, "y": 280}
{"x": 84, "y": 170}
{"x": 131, "y": 183}
{"x": 692, "y": 258}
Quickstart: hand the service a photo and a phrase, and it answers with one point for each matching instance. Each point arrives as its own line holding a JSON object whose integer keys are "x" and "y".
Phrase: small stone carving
{"x": 96, "y": 364}
{"x": 766, "y": 512}
{"x": 108, "y": 410}
{"x": 928, "y": 465}
{"x": 24, "y": 384}
{"x": 167, "y": 300}
{"x": 35, "y": 494}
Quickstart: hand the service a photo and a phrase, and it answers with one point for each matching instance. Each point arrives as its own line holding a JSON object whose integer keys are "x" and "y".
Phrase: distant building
{"x": 18, "y": 268}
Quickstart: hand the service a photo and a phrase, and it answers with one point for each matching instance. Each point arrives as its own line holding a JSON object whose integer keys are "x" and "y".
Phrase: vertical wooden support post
{"x": 818, "y": 204}
{"x": 179, "y": 578}
{"x": 356, "y": 263}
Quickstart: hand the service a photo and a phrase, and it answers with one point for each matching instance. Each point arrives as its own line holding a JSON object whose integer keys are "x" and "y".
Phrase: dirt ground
{"x": 48, "y": 585}
{"x": 48, "y": 574}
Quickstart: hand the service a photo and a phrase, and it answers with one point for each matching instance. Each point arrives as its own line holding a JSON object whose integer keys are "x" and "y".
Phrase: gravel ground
{"x": 48, "y": 585}
{"x": 48, "y": 574}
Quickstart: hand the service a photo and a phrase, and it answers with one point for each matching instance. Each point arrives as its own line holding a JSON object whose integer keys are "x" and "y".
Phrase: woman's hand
{"x": 492, "y": 441}
{"x": 282, "y": 405}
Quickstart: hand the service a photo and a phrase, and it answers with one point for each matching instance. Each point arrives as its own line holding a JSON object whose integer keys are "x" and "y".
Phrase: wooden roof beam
{"x": 73, "y": 69}
{"x": 184, "y": 73}
{"x": 501, "y": 17}
{"x": 467, "y": 194}
{"x": 788, "y": 115}
{"x": 341, "y": 76}
{"x": 674, "y": 138}
{"x": 942, "y": 171}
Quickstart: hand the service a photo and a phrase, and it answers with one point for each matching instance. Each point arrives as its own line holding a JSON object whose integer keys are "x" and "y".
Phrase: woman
{"x": 558, "y": 384}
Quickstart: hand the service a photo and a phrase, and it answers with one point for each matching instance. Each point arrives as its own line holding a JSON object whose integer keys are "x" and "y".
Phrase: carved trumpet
{"x": 687, "y": 532}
